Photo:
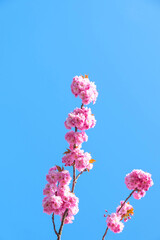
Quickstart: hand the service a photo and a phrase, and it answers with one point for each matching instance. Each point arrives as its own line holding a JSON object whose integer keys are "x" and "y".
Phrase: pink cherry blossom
{"x": 81, "y": 159}
{"x": 47, "y": 205}
{"x": 114, "y": 223}
{"x": 76, "y": 138}
{"x": 56, "y": 201}
{"x": 49, "y": 189}
{"x": 58, "y": 195}
{"x": 81, "y": 118}
{"x": 139, "y": 180}
{"x": 138, "y": 195}
{"x": 68, "y": 219}
{"x": 85, "y": 89}
{"x": 64, "y": 177}
{"x": 125, "y": 212}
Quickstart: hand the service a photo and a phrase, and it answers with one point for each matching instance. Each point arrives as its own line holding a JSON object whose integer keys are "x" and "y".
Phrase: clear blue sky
{"x": 43, "y": 44}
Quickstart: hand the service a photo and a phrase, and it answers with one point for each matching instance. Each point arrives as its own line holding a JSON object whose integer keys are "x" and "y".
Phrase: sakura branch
{"x": 137, "y": 181}
{"x": 60, "y": 199}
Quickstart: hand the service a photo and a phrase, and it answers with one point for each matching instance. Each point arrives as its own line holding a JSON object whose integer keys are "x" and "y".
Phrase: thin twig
{"x": 126, "y": 200}
{"x": 82, "y": 105}
{"x": 62, "y": 224}
{"x": 74, "y": 177}
{"x": 54, "y": 225}
{"x": 74, "y": 169}
{"x": 80, "y": 174}
{"x": 105, "y": 233}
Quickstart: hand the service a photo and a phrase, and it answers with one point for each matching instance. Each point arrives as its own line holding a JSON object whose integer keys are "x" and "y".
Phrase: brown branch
{"x": 105, "y": 233}
{"x": 62, "y": 224}
{"x": 73, "y": 186}
{"x": 82, "y": 105}
{"x": 80, "y": 174}
{"x": 54, "y": 225}
{"x": 74, "y": 170}
{"x": 66, "y": 211}
{"x": 74, "y": 177}
{"x": 126, "y": 200}
{"x": 119, "y": 210}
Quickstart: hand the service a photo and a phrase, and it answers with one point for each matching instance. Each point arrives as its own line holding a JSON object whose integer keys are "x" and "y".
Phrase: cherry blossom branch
{"x": 73, "y": 186}
{"x": 119, "y": 210}
{"x": 55, "y": 201}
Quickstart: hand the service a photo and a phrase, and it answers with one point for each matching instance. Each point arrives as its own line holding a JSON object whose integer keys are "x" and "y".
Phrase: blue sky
{"x": 43, "y": 44}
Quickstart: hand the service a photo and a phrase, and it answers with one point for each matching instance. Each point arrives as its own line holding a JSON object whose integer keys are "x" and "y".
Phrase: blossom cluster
{"x": 140, "y": 181}
{"x": 58, "y": 195}
{"x": 125, "y": 212}
{"x": 81, "y": 118}
{"x": 85, "y": 89}
{"x": 76, "y": 139}
{"x": 81, "y": 159}
{"x": 114, "y": 223}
